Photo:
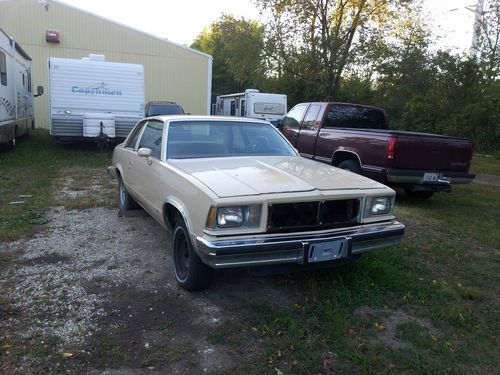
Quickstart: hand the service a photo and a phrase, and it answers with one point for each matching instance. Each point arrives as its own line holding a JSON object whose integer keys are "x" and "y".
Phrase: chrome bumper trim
{"x": 260, "y": 250}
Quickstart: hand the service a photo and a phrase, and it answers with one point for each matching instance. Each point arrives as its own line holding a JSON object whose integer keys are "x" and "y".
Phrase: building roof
{"x": 133, "y": 29}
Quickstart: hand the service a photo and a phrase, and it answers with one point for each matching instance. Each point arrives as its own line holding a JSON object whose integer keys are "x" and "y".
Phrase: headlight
{"x": 234, "y": 217}
{"x": 228, "y": 217}
{"x": 378, "y": 206}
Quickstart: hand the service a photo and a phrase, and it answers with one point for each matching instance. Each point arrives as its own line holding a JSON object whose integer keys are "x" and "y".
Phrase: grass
{"x": 28, "y": 174}
{"x": 443, "y": 280}
{"x": 486, "y": 164}
{"x": 429, "y": 306}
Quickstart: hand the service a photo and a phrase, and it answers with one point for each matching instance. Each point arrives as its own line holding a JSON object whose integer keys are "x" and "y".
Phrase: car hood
{"x": 241, "y": 176}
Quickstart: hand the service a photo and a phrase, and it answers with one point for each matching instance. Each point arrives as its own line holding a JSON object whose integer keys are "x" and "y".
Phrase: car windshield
{"x": 165, "y": 109}
{"x": 209, "y": 139}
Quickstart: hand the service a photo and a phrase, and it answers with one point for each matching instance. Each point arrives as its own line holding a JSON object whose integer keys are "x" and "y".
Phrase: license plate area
{"x": 328, "y": 250}
{"x": 430, "y": 177}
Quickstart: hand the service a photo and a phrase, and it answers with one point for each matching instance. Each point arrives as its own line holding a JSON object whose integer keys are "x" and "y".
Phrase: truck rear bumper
{"x": 403, "y": 176}
{"x": 299, "y": 249}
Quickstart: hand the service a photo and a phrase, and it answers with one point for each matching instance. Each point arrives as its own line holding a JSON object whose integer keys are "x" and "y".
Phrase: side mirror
{"x": 39, "y": 91}
{"x": 144, "y": 152}
{"x": 279, "y": 124}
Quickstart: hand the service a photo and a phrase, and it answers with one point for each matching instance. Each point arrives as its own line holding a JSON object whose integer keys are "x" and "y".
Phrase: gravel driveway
{"x": 94, "y": 292}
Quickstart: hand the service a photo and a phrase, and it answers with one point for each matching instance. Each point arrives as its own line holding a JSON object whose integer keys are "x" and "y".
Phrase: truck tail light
{"x": 390, "y": 149}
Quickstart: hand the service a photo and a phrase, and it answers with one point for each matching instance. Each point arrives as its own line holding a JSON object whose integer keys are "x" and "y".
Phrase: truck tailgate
{"x": 431, "y": 152}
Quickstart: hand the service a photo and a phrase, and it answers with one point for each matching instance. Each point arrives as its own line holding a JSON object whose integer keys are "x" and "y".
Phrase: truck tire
{"x": 190, "y": 272}
{"x": 419, "y": 194}
{"x": 125, "y": 200}
{"x": 350, "y": 165}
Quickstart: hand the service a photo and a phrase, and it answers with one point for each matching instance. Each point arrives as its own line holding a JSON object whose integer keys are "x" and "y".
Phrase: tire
{"x": 125, "y": 200}
{"x": 419, "y": 194}
{"x": 190, "y": 272}
{"x": 350, "y": 165}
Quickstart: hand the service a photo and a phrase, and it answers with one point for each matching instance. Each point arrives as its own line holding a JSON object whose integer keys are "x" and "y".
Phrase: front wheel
{"x": 190, "y": 272}
{"x": 125, "y": 200}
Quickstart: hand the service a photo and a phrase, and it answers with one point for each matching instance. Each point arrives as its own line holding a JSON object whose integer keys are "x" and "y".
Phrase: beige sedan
{"x": 236, "y": 194}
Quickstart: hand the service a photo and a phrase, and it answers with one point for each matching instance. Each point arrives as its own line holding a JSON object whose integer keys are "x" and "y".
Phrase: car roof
{"x": 206, "y": 118}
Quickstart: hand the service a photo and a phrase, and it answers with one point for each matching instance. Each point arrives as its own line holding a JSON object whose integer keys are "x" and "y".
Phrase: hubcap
{"x": 181, "y": 255}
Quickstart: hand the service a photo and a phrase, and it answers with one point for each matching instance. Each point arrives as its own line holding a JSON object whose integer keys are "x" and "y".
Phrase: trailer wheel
{"x": 350, "y": 165}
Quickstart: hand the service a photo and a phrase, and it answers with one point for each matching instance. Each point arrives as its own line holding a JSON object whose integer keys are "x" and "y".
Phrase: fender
{"x": 182, "y": 210}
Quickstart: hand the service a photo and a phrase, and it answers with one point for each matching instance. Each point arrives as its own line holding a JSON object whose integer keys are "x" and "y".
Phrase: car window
{"x": 294, "y": 117}
{"x": 311, "y": 119}
{"x": 203, "y": 139}
{"x": 344, "y": 116}
{"x": 132, "y": 142}
{"x": 151, "y": 138}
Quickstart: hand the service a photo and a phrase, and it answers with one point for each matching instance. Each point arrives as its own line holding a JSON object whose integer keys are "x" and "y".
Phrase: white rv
{"x": 93, "y": 99}
{"x": 16, "y": 98}
{"x": 253, "y": 104}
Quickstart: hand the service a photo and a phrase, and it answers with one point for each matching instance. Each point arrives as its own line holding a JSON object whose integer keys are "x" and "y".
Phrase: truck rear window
{"x": 344, "y": 116}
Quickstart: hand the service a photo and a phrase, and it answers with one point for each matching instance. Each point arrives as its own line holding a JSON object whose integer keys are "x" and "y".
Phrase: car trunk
{"x": 431, "y": 152}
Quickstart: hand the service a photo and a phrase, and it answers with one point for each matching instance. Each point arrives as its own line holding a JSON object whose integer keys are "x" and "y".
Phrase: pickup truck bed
{"x": 357, "y": 138}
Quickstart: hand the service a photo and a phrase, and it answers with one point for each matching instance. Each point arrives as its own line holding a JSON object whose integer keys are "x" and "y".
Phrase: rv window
{"x": 3, "y": 69}
{"x": 233, "y": 108}
{"x": 24, "y": 83}
{"x": 242, "y": 113}
{"x": 29, "y": 82}
{"x": 269, "y": 108}
{"x": 151, "y": 138}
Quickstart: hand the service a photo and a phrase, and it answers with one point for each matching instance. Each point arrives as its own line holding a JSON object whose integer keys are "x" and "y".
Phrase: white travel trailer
{"x": 16, "y": 98}
{"x": 93, "y": 99}
{"x": 253, "y": 104}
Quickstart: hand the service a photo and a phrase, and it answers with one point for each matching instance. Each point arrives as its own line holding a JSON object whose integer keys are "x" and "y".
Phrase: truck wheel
{"x": 419, "y": 194}
{"x": 125, "y": 200}
{"x": 190, "y": 272}
{"x": 350, "y": 165}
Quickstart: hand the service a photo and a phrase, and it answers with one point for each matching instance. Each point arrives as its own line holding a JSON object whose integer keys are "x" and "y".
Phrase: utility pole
{"x": 477, "y": 27}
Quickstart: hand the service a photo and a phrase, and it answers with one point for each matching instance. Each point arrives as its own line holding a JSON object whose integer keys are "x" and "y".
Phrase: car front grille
{"x": 308, "y": 216}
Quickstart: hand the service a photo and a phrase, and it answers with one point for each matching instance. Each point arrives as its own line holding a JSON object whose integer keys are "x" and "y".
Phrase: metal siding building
{"x": 171, "y": 71}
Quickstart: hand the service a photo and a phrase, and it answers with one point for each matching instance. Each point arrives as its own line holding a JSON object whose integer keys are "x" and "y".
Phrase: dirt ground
{"x": 94, "y": 292}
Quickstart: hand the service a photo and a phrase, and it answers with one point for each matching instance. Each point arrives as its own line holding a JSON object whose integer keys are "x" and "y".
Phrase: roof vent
{"x": 251, "y": 90}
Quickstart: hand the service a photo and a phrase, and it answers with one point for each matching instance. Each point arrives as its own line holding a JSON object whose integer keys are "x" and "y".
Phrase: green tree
{"x": 236, "y": 47}
{"x": 313, "y": 42}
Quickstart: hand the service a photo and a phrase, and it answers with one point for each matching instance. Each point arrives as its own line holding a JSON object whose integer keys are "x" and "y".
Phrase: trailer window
{"x": 24, "y": 83}
{"x": 269, "y": 108}
{"x": 233, "y": 108}
{"x": 242, "y": 112}
{"x": 29, "y": 82}
{"x": 344, "y": 116}
{"x": 3, "y": 69}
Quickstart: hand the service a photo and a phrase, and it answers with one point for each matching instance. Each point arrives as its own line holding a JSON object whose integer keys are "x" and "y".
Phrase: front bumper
{"x": 294, "y": 248}
{"x": 409, "y": 176}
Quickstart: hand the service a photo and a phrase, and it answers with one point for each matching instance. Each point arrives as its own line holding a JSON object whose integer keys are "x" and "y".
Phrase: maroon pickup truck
{"x": 357, "y": 138}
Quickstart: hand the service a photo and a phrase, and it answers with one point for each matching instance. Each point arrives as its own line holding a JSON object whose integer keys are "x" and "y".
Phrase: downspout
{"x": 209, "y": 86}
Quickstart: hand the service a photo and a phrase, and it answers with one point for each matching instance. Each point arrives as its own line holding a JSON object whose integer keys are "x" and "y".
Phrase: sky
{"x": 180, "y": 21}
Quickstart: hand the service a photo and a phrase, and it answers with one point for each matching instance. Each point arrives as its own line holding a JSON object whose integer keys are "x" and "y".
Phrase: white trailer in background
{"x": 93, "y": 99}
{"x": 16, "y": 98}
{"x": 253, "y": 104}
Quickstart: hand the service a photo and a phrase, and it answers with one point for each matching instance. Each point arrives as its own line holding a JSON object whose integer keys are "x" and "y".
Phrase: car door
{"x": 130, "y": 158}
{"x": 147, "y": 171}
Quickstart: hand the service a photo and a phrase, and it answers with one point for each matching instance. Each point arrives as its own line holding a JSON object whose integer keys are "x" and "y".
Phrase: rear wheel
{"x": 350, "y": 165}
{"x": 125, "y": 200}
{"x": 419, "y": 194}
{"x": 190, "y": 272}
